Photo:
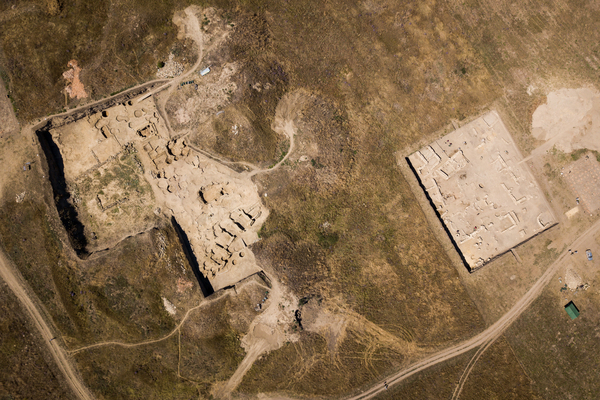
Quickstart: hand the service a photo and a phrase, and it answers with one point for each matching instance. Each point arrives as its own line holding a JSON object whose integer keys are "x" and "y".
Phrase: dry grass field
{"x": 380, "y": 78}
{"x": 31, "y": 373}
{"x": 499, "y": 375}
{"x": 552, "y": 348}
{"x": 434, "y": 383}
{"x": 117, "y": 45}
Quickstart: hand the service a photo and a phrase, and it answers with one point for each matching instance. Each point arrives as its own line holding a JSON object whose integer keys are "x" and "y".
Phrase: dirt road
{"x": 7, "y": 273}
{"x": 11, "y": 278}
{"x": 73, "y": 380}
{"x": 288, "y": 130}
{"x": 197, "y": 36}
{"x": 485, "y": 337}
{"x": 203, "y": 303}
{"x": 266, "y": 333}
{"x": 194, "y": 32}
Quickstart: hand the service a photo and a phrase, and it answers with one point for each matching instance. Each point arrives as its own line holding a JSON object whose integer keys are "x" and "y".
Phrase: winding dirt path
{"x": 258, "y": 340}
{"x": 266, "y": 333}
{"x": 73, "y": 380}
{"x": 486, "y": 337}
{"x": 469, "y": 368}
{"x": 14, "y": 281}
{"x": 194, "y": 33}
{"x": 202, "y": 304}
{"x": 221, "y": 160}
{"x": 11, "y": 277}
{"x": 287, "y": 128}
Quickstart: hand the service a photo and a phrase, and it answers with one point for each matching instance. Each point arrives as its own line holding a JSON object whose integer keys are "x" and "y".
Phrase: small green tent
{"x": 572, "y": 310}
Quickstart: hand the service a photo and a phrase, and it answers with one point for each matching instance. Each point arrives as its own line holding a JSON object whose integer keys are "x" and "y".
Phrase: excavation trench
{"x": 432, "y": 205}
{"x": 204, "y": 283}
{"x": 54, "y": 160}
{"x": 69, "y": 216}
{"x": 66, "y": 210}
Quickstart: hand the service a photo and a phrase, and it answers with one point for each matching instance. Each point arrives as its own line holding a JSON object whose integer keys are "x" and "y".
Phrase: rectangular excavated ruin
{"x": 487, "y": 199}
{"x": 117, "y": 169}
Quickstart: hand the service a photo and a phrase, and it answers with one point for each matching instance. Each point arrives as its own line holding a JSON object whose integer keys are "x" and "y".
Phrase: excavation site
{"x": 343, "y": 200}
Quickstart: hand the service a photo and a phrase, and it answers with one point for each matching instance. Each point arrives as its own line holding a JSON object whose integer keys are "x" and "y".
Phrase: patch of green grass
{"x": 546, "y": 255}
{"x": 126, "y": 173}
{"x": 5, "y": 79}
{"x": 121, "y": 89}
{"x": 576, "y": 154}
{"x": 327, "y": 240}
{"x": 316, "y": 164}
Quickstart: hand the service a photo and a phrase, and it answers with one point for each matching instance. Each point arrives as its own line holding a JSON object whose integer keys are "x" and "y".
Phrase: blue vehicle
{"x": 588, "y": 253}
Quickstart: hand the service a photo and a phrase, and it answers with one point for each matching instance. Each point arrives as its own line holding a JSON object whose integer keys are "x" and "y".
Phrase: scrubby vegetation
{"x": 380, "y": 78}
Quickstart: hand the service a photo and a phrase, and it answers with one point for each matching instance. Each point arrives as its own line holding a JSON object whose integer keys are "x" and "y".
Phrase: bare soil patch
{"x": 570, "y": 119}
{"x": 583, "y": 178}
{"x": 116, "y": 45}
{"x": 74, "y": 88}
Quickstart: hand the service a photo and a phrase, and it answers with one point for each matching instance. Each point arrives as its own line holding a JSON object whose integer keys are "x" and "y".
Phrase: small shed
{"x": 572, "y": 310}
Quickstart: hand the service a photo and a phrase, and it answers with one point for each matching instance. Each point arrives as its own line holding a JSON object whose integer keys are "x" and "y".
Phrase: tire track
{"x": 469, "y": 368}
{"x": 486, "y": 337}
{"x": 67, "y": 370}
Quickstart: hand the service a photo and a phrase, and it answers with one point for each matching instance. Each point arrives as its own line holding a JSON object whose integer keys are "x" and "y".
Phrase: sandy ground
{"x": 220, "y": 245}
{"x": 267, "y": 332}
{"x": 570, "y": 120}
